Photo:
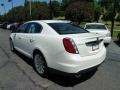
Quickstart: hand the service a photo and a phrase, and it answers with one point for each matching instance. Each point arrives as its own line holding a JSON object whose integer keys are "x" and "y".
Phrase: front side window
{"x": 67, "y": 28}
{"x": 22, "y": 29}
{"x": 30, "y": 28}
{"x": 95, "y": 27}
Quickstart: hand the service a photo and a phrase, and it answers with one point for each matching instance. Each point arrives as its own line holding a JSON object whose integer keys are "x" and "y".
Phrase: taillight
{"x": 70, "y": 46}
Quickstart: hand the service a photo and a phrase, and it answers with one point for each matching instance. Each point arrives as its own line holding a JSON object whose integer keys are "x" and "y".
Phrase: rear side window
{"x": 67, "y": 28}
{"x": 32, "y": 28}
{"x": 35, "y": 28}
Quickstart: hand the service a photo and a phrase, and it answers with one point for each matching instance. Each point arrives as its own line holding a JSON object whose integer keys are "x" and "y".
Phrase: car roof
{"x": 51, "y": 21}
{"x": 95, "y": 24}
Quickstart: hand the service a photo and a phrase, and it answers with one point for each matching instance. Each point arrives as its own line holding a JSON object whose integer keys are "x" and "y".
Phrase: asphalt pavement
{"x": 17, "y": 73}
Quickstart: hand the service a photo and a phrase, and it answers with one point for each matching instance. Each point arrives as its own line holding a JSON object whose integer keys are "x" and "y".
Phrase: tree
{"x": 106, "y": 4}
{"x": 97, "y": 12}
{"x": 66, "y": 3}
{"x": 56, "y": 8}
{"x": 109, "y": 14}
{"x": 26, "y": 3}
{"x": 21, "y": 13}
{"x": 1, "y": 18}
{"x": 18, "y": 11}
{"x": 40, "y": 11}
{"x": 80, "y": 11}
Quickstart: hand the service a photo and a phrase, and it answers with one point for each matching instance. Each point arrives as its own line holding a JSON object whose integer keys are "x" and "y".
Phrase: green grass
{"x": 116, "y": 27}
{"x": 59, "y": 18}
{"x": 115, "y": 34}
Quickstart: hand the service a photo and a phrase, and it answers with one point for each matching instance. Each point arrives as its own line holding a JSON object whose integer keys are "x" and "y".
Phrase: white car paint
{"x": 50, "y": 43}
{"x": 105, "y": 32}
{"x": 8, "y": 26}
{"x": 11, "y": 25}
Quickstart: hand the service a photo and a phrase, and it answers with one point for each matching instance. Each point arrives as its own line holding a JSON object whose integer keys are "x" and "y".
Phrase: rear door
{"x": 34, "y": 30}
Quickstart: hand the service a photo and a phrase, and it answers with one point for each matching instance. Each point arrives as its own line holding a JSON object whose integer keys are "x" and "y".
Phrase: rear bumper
{"x": 74, "y": 64}
{"x": 107, "y": 39}
{"x": 51, "y": 70}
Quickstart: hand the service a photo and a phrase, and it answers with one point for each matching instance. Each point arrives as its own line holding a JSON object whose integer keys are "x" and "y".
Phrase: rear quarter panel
{"x": 50, "y": 46}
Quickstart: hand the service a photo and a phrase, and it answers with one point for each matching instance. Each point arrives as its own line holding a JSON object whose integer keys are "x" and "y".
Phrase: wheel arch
{"x": 38, "y": 50}
{"x": 10, "y": 38}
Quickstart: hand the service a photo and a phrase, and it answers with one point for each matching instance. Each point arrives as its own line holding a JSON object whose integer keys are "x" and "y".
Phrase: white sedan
{"x": 56, "y": 45}
{"x": 100, "y": 29}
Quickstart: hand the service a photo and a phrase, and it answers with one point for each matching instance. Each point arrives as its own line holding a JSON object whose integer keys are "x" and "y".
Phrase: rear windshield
{"x": 67, "y": 28}
{"x": 95, "y": 27}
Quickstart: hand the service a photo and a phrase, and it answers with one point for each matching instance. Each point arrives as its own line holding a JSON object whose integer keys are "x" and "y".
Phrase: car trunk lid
{"x": 99, "y": 31}
{"x": 87, "y": 43}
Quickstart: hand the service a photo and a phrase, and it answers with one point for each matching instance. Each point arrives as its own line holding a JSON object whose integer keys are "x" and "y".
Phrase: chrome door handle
{"x": 19, "y": 38}
{"x": 31, "y": 40}
{"x": 14, "y": 35}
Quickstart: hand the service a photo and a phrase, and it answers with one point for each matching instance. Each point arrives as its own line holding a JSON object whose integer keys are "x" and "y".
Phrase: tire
{"x": 40, "y": 64}
{"x": 11, "y": 46}
{"x": 106, "y": 44}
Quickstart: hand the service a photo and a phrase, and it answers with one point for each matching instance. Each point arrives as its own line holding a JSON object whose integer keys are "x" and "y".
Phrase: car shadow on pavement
{"x": 23, "y": 57}
{"x": 117, "y": 43}
{"x": 70, "y": 81}
{"x": 66, "y": 81}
